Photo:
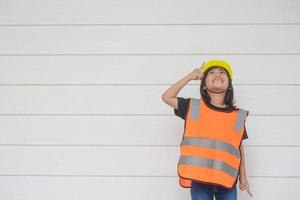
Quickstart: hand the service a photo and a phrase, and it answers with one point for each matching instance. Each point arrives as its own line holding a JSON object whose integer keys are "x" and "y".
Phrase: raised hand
{"x": 197, "y": 73}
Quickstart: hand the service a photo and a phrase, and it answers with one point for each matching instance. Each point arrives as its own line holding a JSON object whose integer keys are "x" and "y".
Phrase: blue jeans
{"x": 201, "y": 191}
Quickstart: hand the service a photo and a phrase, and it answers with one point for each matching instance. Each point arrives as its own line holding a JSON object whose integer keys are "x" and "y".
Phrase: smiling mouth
{"x": 218, "y": 79}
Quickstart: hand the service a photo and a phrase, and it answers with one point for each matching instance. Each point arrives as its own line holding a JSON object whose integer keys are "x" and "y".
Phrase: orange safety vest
{"x": 209, "y": 150}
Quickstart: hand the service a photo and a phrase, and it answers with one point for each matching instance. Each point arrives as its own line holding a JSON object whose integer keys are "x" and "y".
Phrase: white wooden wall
{"x": 81, "y": 115}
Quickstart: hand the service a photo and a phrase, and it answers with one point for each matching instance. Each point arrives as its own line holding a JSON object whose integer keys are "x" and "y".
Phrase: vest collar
{"x": 215, "y": 108}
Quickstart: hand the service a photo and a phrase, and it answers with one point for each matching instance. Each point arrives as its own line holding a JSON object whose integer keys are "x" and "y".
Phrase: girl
{"x": 207, "y": 179}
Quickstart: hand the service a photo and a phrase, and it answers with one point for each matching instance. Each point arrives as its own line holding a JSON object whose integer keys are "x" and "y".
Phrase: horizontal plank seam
{"x": 125, "y": 176}
{"x": 145, "y": 54}
{"x": 133, "y": 84}
{"x": 127, "y": 145}
{"x": 158, "y": 24}
{"x": 90, "y": 114}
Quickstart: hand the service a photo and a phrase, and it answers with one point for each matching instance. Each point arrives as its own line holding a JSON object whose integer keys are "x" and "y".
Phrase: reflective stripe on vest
{"x": 212, "y": 144}
{"x": 242, "y": 114}
{"x": 209, "y": 163}
{"x": 195, "y": 109}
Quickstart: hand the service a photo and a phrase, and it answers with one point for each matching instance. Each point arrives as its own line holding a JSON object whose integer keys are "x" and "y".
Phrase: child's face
{"x": 217, "y": 79}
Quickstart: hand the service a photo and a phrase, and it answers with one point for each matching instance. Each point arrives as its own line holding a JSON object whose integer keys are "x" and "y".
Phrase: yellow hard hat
{"x": 220, "y": 63}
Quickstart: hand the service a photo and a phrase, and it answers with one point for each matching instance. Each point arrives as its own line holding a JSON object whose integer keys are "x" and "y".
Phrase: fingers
{"x": 199, "y": 71}
{"x": 246, "y": 188}
{"x": 202, "y": 66}
{"x": 242, "y": 188}
{"x": 250, "y": 194}
{"x": 197, "y": 74}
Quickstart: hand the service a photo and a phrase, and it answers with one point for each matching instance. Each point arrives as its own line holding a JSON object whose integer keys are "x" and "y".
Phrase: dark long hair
{"x": 229, "y": 96}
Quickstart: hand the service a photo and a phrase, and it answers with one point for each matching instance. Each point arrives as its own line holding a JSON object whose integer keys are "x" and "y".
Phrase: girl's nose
{"x": 217, "y": 75}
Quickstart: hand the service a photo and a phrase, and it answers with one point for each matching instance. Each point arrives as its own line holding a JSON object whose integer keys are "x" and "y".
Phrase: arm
{"x": 242, "y": 171}
{"x": 244, "y": 185}
{"x": 170, "y": 95}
